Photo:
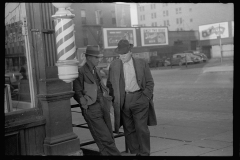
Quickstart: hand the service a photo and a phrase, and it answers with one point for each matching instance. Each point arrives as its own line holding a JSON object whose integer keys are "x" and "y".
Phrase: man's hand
{"x": 83, "y": 102}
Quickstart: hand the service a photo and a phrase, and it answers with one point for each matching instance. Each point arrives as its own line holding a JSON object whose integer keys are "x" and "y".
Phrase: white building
{"x": 183, "y": 16}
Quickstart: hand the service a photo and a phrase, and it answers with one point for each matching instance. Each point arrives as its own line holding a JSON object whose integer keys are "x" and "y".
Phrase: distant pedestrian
{"x": 24, "y": 71}
{"x": 92, "y": 96}
{"x": 131, "y": 85}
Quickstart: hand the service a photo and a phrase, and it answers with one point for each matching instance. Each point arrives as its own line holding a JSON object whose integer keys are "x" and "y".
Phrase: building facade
{"x": 183, "y": 16}
{"x": 189, "y": 17}
{"x": 91, "y": 17}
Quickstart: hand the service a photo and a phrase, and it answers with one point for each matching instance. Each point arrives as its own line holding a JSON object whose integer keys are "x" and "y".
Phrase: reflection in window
{"x": 99, "y": 19}
{"x": 16, "y": 61}
{"x": 83, "y": 17}
{"x": 113, "y": 17}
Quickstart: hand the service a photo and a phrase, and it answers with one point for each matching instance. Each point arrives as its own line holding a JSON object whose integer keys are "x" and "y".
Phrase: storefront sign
{"x": 111, "y": 36}
{"x": 211, "y": 31}
{"x": 154, "y": 36}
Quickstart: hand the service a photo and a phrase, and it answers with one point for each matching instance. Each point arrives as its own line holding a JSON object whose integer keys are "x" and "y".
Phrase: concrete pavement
{"x": 185, "y": 135}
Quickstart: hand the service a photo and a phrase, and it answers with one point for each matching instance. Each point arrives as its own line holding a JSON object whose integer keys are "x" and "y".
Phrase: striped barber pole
{"x": 65, "y": 39}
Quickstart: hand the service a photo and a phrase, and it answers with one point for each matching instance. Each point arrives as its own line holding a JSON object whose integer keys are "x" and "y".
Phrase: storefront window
{"x": 18, "y": 74}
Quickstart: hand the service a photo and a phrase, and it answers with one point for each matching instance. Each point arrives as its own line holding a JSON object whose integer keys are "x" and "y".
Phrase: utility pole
{"x": 220, "y": 42}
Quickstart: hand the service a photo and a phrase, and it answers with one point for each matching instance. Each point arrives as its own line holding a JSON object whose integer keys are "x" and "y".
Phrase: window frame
{"x": 27, "y": 58}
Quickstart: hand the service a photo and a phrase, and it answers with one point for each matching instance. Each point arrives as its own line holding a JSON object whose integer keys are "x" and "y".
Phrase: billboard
{"x": 111, "y": 36}
{"x": 152, "y": 36}
{"x": 211, "y": 31}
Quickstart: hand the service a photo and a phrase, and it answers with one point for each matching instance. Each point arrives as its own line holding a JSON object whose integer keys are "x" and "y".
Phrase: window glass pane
{"x": 18, "y": 73}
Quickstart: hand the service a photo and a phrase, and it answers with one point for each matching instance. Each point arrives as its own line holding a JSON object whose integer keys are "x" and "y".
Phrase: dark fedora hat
{"x": 123, "y": 46}
{"x": 93, "y": 51}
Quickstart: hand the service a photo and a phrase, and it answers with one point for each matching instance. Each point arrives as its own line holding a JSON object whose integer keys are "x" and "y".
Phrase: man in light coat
{"x": 131, "y": 85}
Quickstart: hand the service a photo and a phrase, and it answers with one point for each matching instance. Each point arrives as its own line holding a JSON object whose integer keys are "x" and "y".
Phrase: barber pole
{"x": 65, "y": 42}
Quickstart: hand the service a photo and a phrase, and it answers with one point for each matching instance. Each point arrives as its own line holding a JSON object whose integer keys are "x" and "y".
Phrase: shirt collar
{"x": 90, "y": 65}
{"x": 129, "y": 62}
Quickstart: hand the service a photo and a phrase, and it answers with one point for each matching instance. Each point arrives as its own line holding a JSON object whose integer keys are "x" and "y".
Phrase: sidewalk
{"x": 215, "y": 65}
{"x": 179, "y": 139}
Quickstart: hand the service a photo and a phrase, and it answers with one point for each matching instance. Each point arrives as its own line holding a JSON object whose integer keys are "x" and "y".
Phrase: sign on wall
{"x": 111, "y": 36}
{"x": 211, "y": 31}
{"x": 154, "y": 36}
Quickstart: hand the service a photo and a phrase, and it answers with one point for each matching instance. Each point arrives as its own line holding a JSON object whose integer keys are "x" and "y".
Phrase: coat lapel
{"x": 88, "y": 73}
{"x": 136, "y": 71}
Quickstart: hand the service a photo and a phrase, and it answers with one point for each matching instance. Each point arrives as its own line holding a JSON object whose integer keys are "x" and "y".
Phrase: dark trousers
{"x": 102, "y": 134}
{"x": 134, "y": 115}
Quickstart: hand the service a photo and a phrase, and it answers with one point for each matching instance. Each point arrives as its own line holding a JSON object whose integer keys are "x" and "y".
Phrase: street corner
{"x": 218, "y": 69}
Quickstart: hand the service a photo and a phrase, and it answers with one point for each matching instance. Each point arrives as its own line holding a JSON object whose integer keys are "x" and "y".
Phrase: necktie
{"x": 98, "y": 79}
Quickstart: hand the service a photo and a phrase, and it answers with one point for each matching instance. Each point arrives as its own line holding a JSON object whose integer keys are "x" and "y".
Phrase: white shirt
{"x": 130, "y": 77}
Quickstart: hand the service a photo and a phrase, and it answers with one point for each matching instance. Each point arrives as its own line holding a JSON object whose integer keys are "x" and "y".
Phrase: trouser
{"x": 134, "y": 116}
{"x": 97, "y": 123}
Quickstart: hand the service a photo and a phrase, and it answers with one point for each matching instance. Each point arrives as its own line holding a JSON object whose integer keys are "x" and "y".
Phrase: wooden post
{"x": 53, "y": 94}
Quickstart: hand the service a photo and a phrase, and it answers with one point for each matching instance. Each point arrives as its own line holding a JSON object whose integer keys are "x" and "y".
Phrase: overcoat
{"x": 85, "y": 86}
{"x": 117, "y": 88}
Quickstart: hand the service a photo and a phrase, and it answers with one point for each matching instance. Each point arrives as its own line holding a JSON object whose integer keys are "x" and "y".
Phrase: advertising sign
{"x": 111, "y": 36}
{"x": 211, "y": 31}
{"x": 153, "y": 36}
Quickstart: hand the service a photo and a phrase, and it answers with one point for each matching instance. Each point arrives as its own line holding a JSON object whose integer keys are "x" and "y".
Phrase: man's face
{"x": 125, "y": 57}
{"x": 94, "y": 60}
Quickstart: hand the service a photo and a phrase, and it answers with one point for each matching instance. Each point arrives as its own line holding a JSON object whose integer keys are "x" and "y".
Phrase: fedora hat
{"x": 93, "y": 51}
{"x": 123, "y": 46}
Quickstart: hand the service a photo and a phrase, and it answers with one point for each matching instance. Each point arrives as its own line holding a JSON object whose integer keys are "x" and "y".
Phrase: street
{"x": 192, "y": 106}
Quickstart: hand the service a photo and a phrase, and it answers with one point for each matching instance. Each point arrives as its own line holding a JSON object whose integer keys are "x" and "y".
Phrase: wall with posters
{"x": 139, "y": 37}
{"x": 149, "y": 39}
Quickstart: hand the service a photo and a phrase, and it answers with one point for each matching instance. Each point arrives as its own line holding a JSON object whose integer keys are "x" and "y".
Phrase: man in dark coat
{"x": 92, "y": 96}
{"x": 131, "y": 85}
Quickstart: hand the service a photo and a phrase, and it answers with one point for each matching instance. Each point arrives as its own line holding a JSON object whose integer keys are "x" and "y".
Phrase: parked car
{"x": 203, "y": 57}
{"x": 156, "y": 61}
{"x": 184, "y": 58}
{"x": 195, "y": 58}
{"x": 174, "y": 61}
